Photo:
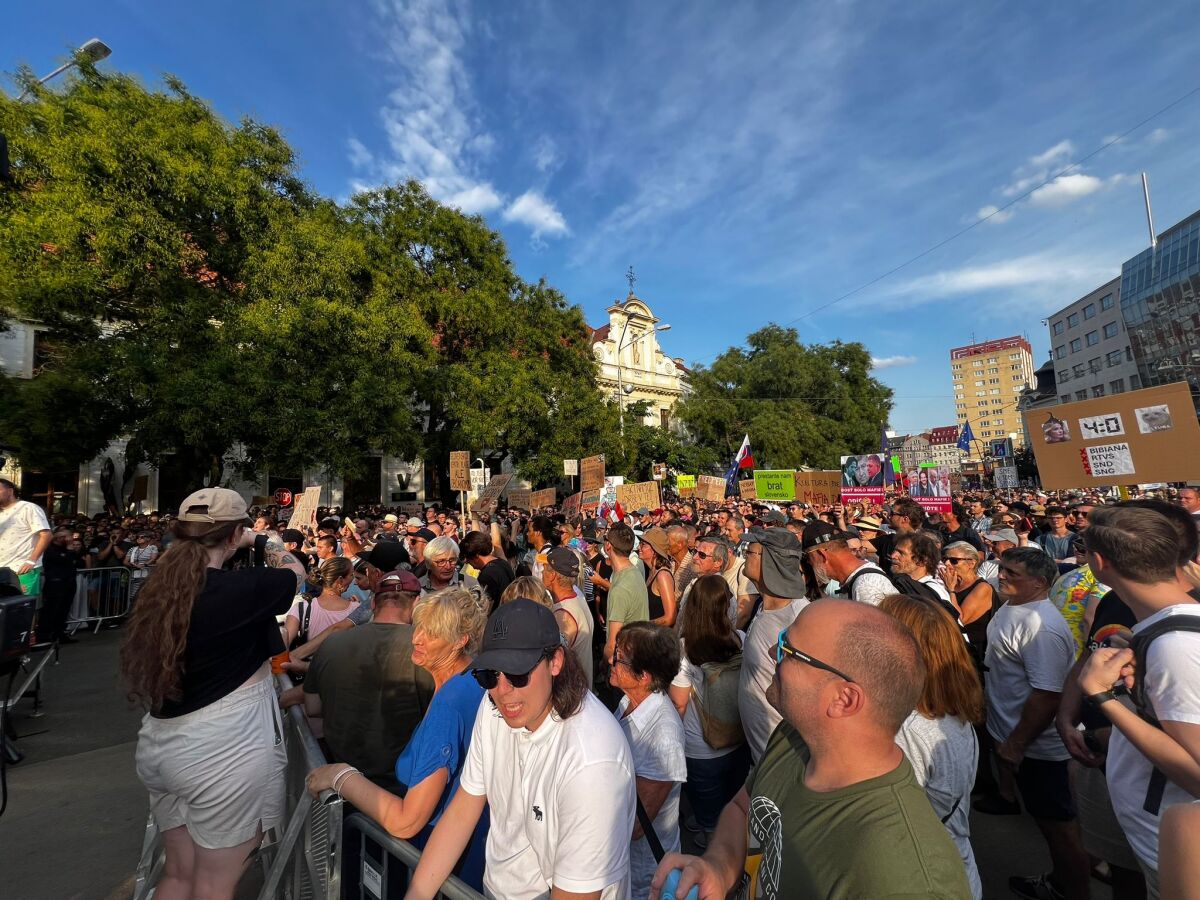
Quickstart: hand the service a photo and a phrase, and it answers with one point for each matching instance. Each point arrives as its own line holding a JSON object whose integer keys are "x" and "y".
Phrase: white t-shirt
{"x": 1173, "y": 688}
{"x": 19, "y": 525}
{"x": 759, "y": 717}
{"x": 939, "y": 586}
{"x": 989, "y": 571}
{"x": 549, "y": 825}
{"x": 694, "y": 745}
{"x": 576, "y": 608}
{"x": 655, "y": 734}
{"x": 944, "y": 754}
{"x": 870, "y": 584}
{"x": 1029, "y": 646}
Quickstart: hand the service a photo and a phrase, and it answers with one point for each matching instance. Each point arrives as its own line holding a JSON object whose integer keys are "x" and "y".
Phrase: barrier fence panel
{"x": 376, "y": 879}
{"x": 101, "y": 595}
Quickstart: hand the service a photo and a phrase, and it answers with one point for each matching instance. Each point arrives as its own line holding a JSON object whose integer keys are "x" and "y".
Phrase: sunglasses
{"x": 700, "y": 554}
{"x": 956, "y": 559}
{"x": 783, "y": 648}
{"x": 489, "y": 678}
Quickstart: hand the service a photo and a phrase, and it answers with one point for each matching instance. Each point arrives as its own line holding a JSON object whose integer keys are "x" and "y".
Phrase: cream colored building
{"x": 988, "y": 379}
{"x": 632, "y": 364}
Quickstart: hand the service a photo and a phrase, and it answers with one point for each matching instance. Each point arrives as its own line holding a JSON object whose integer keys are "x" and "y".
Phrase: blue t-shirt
{"x": 440, "y": 742}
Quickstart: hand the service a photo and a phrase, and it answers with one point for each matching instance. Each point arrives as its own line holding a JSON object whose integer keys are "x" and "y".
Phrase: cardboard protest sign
{"x": 570, "y": 506}
{"x": 490, "y": 495}
{"x": 747, "y": 490}
{"x": 460, "y": 470}
{"x": 818, "y": 488}
{"x": 410, "y": 508}
{"x": 862, "y": 478}
{"x": 710, "y": 487}
{"x": 518, "y": 498}
{"x": 591, "y": 476}
{"x": 685, "y": 484}
{"x": 543, "y": 498}
{"x": 1138, "y": 437}
{"x": 775, "y": 484}
{"x": 590, "y": 500}
{"x": 634, "y": 496}
{"x": 304, "y": 514}
{"x": 570, "y": 467}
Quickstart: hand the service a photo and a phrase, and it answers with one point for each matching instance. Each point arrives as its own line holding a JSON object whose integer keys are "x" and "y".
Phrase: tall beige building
{"x": 988, "y": 379}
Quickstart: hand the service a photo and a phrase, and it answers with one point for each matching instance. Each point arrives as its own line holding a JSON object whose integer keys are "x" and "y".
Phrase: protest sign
{"x": 519, "y": 498}
{"x": 685, "y": 485}
{"x": 491, "y": 492}
{"x": 633, "y": 497}
{"x": 591, "y": 473}
{"x": 934, "y": 504}
{"x": 570, "y": 506}
{"x": 410, "y": 508}
{"x": 775, "y": 484}
{"x": 862, "y": 478}
{"x": 746, "y": 489}
{"x": 460, "y": 470}
{"x": 1157, "y": 431}
{"x": 710, "y": 487}
{"x": 570, "y": 467}
{"x": 818, "y": 488}
{"x": 543, "y": 498}
{"x": 1005, "y": 476}
{"x": 590, "y": 500}
{"x": 658, "y": 471}
{"x": 304, "y": 515}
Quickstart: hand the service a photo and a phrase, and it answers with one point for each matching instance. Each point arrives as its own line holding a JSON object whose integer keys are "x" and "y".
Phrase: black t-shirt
{"x": 60, "y": 564}
{"x": 494, "y": 578}
{"x": 232, "y": 632}
{"x": 601, "y": 567}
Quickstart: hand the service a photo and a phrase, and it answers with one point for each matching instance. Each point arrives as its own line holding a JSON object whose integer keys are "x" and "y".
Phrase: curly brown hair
{"x": 156, "y": 636}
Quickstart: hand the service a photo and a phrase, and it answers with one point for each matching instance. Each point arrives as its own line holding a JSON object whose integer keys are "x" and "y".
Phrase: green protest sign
{"x": 775, "y": 484}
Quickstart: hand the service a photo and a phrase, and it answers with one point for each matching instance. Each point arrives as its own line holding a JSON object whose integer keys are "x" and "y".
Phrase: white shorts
{"x": 218, "y": 770}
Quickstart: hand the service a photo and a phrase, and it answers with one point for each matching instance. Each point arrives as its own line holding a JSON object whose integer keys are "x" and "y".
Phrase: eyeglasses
{"x": 489, "y": 678}
{"x": 700, "y": 554}
{"x": 956, "y": 559}
{"x": 783, "y": 648}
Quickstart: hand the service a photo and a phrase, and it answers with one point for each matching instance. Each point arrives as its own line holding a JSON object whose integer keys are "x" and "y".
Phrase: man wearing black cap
{"x": 833, "y": 557}
{"x": 574, "y": 619}
{"x": 773, "y": 563}
{"x": 541, "y": 746}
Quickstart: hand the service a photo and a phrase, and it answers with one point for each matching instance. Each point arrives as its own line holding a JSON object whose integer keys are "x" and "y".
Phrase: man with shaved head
{"x": 833, "y": 803}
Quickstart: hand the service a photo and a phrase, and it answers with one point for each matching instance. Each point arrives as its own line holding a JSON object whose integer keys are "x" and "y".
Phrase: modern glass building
{"x": 1160, "y": 302}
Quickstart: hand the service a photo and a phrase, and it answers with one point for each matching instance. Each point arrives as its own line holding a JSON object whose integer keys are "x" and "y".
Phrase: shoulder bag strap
{"x": 656, "y": 846}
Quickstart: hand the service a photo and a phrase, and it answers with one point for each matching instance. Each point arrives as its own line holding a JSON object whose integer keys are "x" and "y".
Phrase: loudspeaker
{"x": 16, "y": 626}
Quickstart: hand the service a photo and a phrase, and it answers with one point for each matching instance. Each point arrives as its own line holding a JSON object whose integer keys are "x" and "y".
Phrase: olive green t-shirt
{"x": 878, "y": 839}
{"x": 627, "y": 597}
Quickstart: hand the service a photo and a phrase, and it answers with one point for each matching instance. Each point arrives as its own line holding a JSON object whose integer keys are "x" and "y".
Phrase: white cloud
{"x": 538, "y": 214}
{"x": 1069, "y": 188}
{"x": 360, "y": 156}
{"x": 879, "y": 363}
{"x": 545, "y": 154}
{"x": 1056, "y": 155}
{"x": 994, "y": 214}
{"x": 1157, "y": 136}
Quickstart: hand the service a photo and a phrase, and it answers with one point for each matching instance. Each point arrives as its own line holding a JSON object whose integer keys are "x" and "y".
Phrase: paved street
{"x": 73, "y": 828}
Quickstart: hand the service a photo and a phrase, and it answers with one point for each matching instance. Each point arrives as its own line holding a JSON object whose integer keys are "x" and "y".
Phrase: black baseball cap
{"x": 516, "y": 637}
{"x": 563, "y": 561}
{"x": 386, "y": 556}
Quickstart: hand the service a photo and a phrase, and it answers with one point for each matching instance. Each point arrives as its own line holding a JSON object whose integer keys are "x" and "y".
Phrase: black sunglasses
{"x": 783, "y": 648}
{"x": 489, "y": 678}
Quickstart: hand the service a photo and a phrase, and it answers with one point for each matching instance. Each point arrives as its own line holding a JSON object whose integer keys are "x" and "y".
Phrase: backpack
{"x": 720, "y": 718}
{"x": 847, "y": 589}
{"x": 1140, "y": 645}
{"x": 910, "y": 587}
{"x": 302, "y": 635}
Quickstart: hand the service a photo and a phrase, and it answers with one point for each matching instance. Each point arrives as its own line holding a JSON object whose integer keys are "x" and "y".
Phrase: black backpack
{"x": 909, "y": 586}
{"x": 1140, "y": 645}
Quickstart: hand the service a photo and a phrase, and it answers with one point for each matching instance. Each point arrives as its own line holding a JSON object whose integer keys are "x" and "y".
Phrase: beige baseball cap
{"x": 213, "y": 505}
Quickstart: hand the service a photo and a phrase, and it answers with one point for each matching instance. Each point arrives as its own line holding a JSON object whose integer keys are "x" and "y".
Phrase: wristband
{"x": 1099, "y": 699}
{"x": 341, "y": 777}
{"x": 31, "y": 562}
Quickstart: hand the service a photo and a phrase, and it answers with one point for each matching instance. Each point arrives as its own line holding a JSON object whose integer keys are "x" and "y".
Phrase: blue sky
{"x": 752, "y": 161}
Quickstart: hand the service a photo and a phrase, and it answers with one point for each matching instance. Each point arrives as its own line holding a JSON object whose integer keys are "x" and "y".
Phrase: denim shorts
{"x": 218, "y": 770}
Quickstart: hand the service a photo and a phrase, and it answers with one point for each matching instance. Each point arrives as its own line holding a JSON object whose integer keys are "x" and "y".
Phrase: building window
{"x": 1098, "y": 391}
{"x": 1118, "y": 386}
{"x": 1114, "y": 358}
{"x": 1060, "y": 352}
{"x": 1094, "y": 364}
{"x": 1080, "y": 371}
{"x": 993, "y": 371}
{"x": 664, "y": 418}
{"x": 1106, "y": 302}
{"x": 1110, "y": 330}
{"x": 994, "y": 391}
{"x": 1076, "y": 345}
{"x": 1014, "y": 356}
{"x": 1093, "y": 337}
{"x": 993, "y": 359}
{"x": 1135, "y": 382}
{"x": 1128, "y": 355}
{"x": 1064, "y": 375}
{"x": 993, "y": 381}
{"x": 1081, "y": 395}
{"x": 981, "y": 393}
{"x": 1089, "y": 311}
{"x": 1058, "y": 328}
{"x": 1065, "y": 398}
{"x": 1072, "y": 320}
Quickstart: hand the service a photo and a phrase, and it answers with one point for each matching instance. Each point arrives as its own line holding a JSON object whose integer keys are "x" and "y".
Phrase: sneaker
{"x": 1035, "y": 887}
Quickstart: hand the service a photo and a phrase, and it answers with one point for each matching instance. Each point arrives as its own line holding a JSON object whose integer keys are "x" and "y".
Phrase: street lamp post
{"x": 94, "y": 49}
{"x": 621, "y": 345}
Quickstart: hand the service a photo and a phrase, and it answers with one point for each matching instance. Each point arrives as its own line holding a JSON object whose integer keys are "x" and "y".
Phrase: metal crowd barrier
{"x": 101, "y": 596}
{"x": 399, "y": 858}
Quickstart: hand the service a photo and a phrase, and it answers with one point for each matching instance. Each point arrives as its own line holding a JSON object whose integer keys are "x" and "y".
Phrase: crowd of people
{"x": 821, "y": 696}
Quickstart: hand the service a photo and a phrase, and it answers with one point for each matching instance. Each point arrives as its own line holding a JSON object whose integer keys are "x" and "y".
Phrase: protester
{"x": 59, "y": 565}
{"x": 714, "y": 556}
{"x": 574, "y": 621}
{"x": 646, "y": 661}
{"x": 1058, "y": 541}
{"x": 829, "y": 553}
{"x": 310, "y": 616}
{"x": 628, "y": 600}
{"x": 938, "y": 737}
{"x": 706, "y": 692}
{"x": 495, "y": 574}
{"x": 654, "y": 552}
{"x": 833, "y": 803}
{"x": 196, "y": 654}
{"x": 363, "y": 685}
{"x": 547, "y": 832}
{"x": 441, "y": 567}
{"x": 683, "y": 564}
{"x": 915, "y": 558}
{"x": 975, "y": 599}
{"x": 447, "y": 628}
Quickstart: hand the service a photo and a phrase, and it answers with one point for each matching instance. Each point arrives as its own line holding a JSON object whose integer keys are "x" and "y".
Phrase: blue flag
{"x": 965, "y": 437}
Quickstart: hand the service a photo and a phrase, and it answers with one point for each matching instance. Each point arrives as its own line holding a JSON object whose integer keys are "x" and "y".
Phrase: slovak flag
{"x": 616, "y": 514}
{"x": 743, "y": 460}
{"x": 965, "y": 437}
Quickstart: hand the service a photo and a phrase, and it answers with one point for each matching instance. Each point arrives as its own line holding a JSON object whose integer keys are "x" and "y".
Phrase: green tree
{"x": 800, "y": 404}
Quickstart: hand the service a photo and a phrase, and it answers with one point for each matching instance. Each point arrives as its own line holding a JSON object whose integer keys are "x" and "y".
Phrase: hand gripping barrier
{"x": 398, "y": 860}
